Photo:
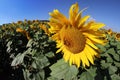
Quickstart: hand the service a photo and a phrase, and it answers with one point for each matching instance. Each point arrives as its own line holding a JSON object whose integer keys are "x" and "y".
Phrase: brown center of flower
{"x": 73, "y": 39}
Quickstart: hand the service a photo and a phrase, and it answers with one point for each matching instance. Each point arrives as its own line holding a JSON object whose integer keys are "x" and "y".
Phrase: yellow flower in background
{"x": 75, "y": 37}
{"x": 24, "y": 32}
{"x": 33, "y": 27}
{"x": 109, "y": 31}
{"x": 43, "y": 27}
{"x": 117, "y": 36}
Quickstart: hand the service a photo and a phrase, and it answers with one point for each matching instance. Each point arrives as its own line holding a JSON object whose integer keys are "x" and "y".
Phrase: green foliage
{"x": 30, "y": 55}
{"x": 26, "y": 59}
{"x": 89, "y": 74}
{"x": 110, "y": 59}
{"x": 62, "y": 70}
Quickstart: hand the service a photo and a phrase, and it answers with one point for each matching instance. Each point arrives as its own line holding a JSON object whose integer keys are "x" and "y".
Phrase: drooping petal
{"x": 77, "y": 19}
{"x": 96, "y": 26}
{"x": 58, "y": 16}
{"x": 73, "y": 13}
{"x": 94, "y": 38}
{"x": 83, "y": 20}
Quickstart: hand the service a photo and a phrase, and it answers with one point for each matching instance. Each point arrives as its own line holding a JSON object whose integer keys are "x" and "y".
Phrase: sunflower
{"x": 24, "y": 32}
{"x": 109, "y": 31}
{"x": 117, "y": 36}
{"x": 43, "y": 27}
{"x": 76, "y": 37}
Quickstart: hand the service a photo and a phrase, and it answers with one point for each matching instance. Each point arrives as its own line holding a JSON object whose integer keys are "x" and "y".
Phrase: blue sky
{"x": 106, "y": 11}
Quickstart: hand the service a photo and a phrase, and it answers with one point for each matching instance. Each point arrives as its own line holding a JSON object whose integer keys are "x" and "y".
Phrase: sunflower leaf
{"x": 50, "y": 54}
{"x": 112, "y": 69}
{"x": 118, "y": 45}
{"x": 111, "y": 51}
{"x": 18, "y": 59}
{"x": 62, "y": 70}
{"x": 117, "y": 64}
{"x": 89, "y": 74}
{"x": 52, "y": 78}
{"x": 101, "y": 47}
{"x": 115, "y": 77}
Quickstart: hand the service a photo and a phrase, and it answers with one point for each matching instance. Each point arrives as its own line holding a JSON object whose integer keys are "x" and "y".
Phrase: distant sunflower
{"x": 117, "y": 36}
{"x": 110, "y": 32}
{"x": 75, "y": 37}
{"x": 24, "y": 32}
{"x": 43, "y": 27}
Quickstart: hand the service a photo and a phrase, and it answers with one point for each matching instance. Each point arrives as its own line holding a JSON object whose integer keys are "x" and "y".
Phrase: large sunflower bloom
{"x": 75, "y": 37}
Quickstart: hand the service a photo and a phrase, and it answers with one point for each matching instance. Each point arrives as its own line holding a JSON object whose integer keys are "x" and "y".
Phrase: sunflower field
{"x": 59, "y": 49}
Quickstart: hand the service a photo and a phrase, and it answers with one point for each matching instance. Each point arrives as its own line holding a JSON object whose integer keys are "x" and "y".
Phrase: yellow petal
{"x": 77, "y": 60}
{"x": 91, "y": 50}
{"x": 94, "y": 38}
{"x": 83, "y": 20}
{"x": 96, "y": 26}
{"x": 58, "y": 16}
{"x": 99, "y": 41}
{"x": 89, "y": 56}
{"x": 77, "y": 19}
{"x": 73, "y": 12}
{"x": 66, "y": 56}
{"x": 58, "y": 50}
{"x": 84, "y": 59}
{"x": 55, "y": 37}
{"x": 89, "y": 42}
{"x": 59, "y": 45}
{"x": 70, "y": 60}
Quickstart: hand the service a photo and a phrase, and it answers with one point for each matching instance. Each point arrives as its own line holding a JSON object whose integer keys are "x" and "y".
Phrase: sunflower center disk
{"x": 73, "y": 39}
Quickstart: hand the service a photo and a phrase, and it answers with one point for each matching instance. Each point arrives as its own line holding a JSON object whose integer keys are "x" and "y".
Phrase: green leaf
{"x": 50, "y": 54}
{"x": 117, "y": 64}
{"x": 107, "y": 45}
{"x": 40, "y": 75}
{"x": 104, "y": 64}
{"x": 118, "y": 45}
{"x": 111, "y": 51}
{"x": 9, "y": 46}
{"x": 34, "y": 64}
{"x": 118, "y": 51}
{"x": 26, "y": 74}
{"x": 115, "y": 77}
{"x": 30, "y": 42}
{"x": 52, "y": 78}
{"x": 9, "y": 43}
{"x": 41, "y": 61}
{"x": 34, "y": 76}
{"x": 112, "y": 69}
{"x": 116, "y": 57}
{"x": 114, "y": 54}
{"x": 89, "y": 74}
{"x": 109, "y": 59}
{"x": 102, "y": 48}
{"x": 62, "y": 70}
{"x": 18, "y": 59}
{"x": 112, "y": 43}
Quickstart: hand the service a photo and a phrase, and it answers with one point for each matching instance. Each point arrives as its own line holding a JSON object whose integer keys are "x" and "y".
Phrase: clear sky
{"x": 106, "y": 11}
